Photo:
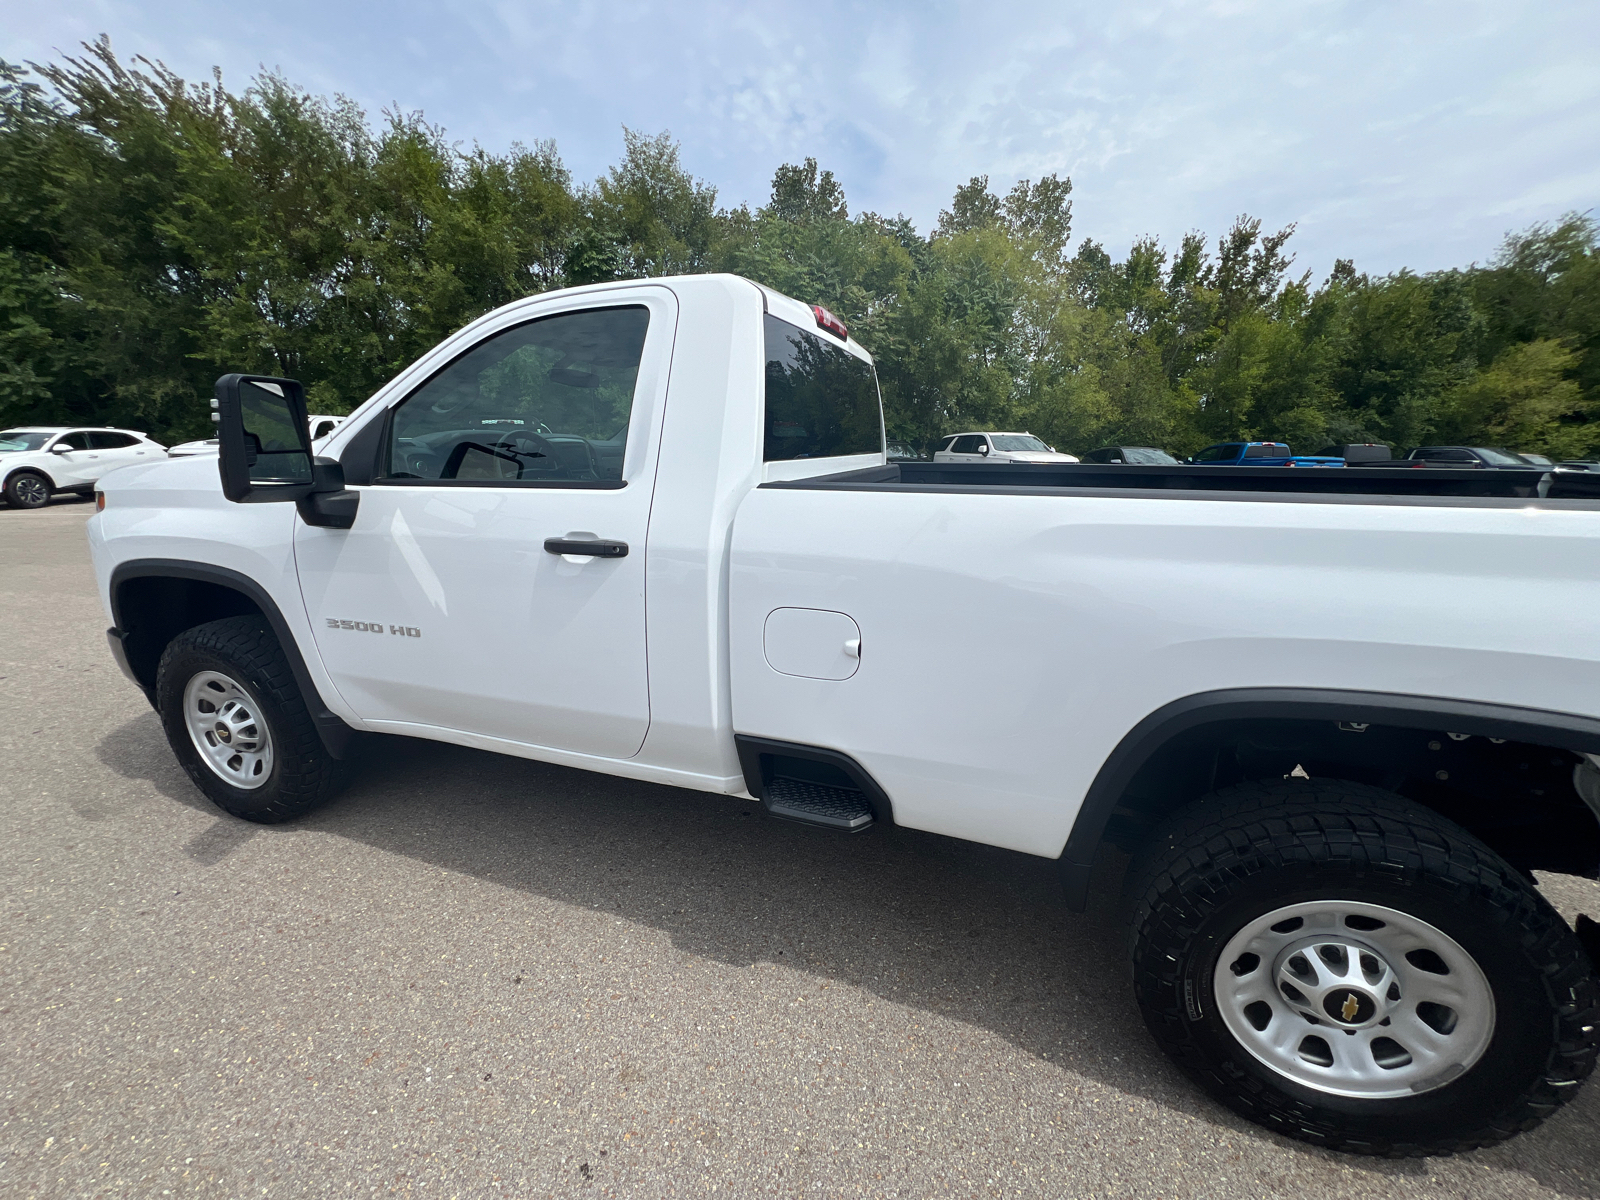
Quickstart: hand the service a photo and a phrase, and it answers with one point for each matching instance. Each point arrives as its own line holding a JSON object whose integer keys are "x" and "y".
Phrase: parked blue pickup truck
{"x": 1260, "y": 454}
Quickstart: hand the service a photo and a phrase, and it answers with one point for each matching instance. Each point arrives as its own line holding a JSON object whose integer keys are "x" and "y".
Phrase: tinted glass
{"x": 822, "y": 401}
{"x": 21, "y": 439}
{"x": 273, "y": 437}
{"x": 966, "y": 445}
{"x": 1267, "y": 450}
{"x": 946, "y": 444}
{"x": 545, "y": 402}
{"x": 1144, "y": 456}
{"x": 74, "y": 441}
{"x": 1217, "y": 453}
{"x": 110, "y": 441}
{"x": 322, "y": 429}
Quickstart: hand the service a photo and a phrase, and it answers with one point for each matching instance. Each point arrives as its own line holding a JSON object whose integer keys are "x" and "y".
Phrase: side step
{"x": 823, "y": 804}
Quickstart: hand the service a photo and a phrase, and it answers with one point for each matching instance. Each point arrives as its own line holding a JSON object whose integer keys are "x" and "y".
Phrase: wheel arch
{"x": 155, "y": 599}
{"x": 30, "y": 469}
{"x": 1184, "y": 730}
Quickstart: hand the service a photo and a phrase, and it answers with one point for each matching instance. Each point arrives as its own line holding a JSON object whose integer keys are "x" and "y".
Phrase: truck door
{"x": 493, "y": 582}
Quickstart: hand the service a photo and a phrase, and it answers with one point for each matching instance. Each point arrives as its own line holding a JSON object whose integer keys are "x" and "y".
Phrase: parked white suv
{"x": 320, "y": 426}
{"x": 997, "y": 447}
{"x": 37, "y": 461}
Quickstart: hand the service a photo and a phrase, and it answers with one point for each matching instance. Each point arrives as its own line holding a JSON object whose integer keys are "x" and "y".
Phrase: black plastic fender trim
{"x": 335, "y": 734}
{"x": 119, "y": 653}
{"x": 752, "y": 748}
{"x": 1565, "y": 731}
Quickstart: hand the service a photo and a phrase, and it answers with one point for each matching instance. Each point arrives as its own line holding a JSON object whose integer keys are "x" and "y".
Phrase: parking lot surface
{"x": 478, "y": 976}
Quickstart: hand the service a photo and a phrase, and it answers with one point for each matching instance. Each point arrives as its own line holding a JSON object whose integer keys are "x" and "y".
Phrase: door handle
{"x": 588, "y": 549}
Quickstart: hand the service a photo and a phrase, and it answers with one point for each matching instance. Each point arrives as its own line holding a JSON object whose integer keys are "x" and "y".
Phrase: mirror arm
{"x": 329, "y": 504}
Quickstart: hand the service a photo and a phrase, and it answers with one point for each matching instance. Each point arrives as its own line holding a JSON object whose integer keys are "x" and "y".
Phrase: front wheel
{"x": 27, "y": 489}
{"x": 1348, "y": 968}
{"x": 237, "y": 723}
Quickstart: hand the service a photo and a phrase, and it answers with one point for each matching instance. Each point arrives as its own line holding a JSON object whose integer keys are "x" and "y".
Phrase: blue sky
{"x": 1399, "y": 134}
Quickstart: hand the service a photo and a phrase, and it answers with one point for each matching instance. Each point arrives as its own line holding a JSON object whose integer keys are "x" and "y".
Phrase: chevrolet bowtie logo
{"x": 1350, "y": 1007}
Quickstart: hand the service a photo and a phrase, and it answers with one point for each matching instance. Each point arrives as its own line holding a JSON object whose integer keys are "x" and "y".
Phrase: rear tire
{"x": 27, "y": 489}
{"x": 238, "y": 725}
{"x": 1378, "y": 884}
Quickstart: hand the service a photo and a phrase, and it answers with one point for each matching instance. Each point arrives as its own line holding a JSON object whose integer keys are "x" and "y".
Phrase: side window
{"x": 822, "y": 401}
{"x": 322, "y": 429}
{"x": 1217, "y": 453}
{"x": 546, "y": 402}
{"x": 967, "y": 444}
{"x": 945, "y": 445}
{"x": 110, "y": 441}
{"x": 74, "y": 441}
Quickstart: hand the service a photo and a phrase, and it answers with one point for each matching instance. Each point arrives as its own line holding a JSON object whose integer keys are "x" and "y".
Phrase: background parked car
{"x": 1492, "y": 457}
{"x": 1260, "y": 454}
{"x": 1138, "y": 456}
{"x": 903, "y": 452}
{"x": 321, "y": 427}
{"x": 998, "y": 447}
{"x": 38, "y": 461}
{"x": 1359, "y": 454}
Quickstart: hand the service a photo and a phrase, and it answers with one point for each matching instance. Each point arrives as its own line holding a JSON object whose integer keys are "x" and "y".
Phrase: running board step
{"x": 818, "y": 804}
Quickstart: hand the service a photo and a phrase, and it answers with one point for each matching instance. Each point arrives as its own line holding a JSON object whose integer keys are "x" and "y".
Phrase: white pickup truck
{"x": 1337, "y": 718}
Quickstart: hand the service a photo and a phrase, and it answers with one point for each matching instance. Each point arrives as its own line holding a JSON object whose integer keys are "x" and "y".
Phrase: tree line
{"x": 155, "y": 233}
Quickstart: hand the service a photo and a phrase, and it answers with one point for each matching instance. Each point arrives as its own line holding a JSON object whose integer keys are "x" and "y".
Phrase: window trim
{"x": 386, "y": 439}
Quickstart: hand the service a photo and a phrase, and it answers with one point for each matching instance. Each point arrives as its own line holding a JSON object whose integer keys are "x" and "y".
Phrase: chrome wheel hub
{"x": 1354, "y": 999}
{"x": 226, "y": 727}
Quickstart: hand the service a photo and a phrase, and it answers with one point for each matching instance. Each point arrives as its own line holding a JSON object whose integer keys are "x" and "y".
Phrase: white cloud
{"x": 1400, "y": 135}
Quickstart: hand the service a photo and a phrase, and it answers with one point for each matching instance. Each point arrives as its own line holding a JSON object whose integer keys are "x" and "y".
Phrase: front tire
{"x": 27, "y": 489}
{"x": 1347, "y": 968}
{"x": 238, "y": 725}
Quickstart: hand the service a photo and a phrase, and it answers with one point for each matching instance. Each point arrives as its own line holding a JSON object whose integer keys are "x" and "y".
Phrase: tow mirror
{"x": 264, "y": 451}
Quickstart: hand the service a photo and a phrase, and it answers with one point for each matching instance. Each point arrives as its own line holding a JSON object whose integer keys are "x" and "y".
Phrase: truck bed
{"x": 1324, "y": 483}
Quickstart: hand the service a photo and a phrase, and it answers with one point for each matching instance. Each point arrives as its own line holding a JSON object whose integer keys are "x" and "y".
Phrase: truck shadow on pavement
{"x": 971, "y": 933}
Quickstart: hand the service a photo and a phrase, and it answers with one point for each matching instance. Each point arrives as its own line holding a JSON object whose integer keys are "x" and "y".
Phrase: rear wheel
{"x": 238, "y": 724}
{"x": 1350, "y": 969}
{"x": 27, "y": 489}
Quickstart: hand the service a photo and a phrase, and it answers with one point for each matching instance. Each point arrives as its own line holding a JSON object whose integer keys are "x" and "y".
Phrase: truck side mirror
{"x": 264, "y": 451}
{"x": 263, "y": 446}
{"x": 984, "y": 448}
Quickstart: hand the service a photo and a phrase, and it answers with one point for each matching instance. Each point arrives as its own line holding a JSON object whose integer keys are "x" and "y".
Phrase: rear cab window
{"x": 821, "y": 400}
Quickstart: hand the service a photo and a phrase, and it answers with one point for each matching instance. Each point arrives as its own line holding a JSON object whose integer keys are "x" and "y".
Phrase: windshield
{"x": 1501, "y": 458}
{"x": 23, "y": 439}
{"x": 1144, "y": 456}
{"x": 1017, "y": 441}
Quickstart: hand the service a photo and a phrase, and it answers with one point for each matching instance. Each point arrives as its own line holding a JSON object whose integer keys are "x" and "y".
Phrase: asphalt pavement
{"x": 475, "y": 976}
